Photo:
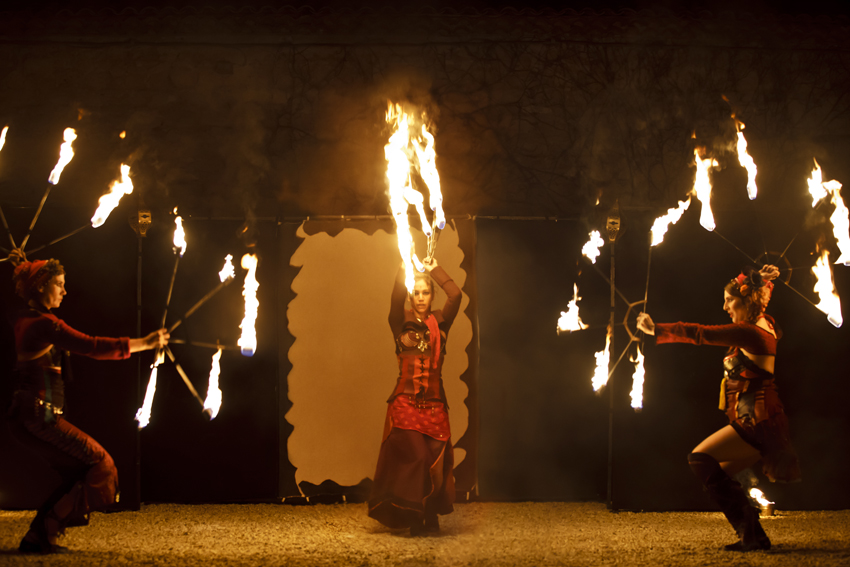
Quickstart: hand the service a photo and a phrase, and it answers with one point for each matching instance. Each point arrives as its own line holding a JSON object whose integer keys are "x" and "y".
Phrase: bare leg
{"x": 714, "y": 461}
{"x": 733, "y": 453}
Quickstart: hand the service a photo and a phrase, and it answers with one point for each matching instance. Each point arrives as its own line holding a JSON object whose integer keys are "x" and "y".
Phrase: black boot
{"x": 733, "y": 501}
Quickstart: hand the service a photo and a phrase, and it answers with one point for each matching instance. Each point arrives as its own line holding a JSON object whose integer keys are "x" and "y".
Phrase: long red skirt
{"x": 413, "y": 478}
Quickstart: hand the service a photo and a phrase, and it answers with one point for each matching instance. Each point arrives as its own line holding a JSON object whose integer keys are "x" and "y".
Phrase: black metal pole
{"x": 613, "y": 227}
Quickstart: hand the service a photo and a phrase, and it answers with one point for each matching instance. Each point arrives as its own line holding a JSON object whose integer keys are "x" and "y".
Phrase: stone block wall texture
{"x": 263, "y": 111}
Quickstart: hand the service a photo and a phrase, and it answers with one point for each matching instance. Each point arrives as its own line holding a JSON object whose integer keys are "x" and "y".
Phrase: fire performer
{"x": 43, "y": 341}
{"x": 413, "y": 478}
{"x": 758, "y": 428}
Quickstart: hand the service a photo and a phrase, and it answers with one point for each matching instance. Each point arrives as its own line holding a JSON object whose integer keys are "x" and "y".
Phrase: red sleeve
{"x": 747, "y": 336}
{"x": 54, "y": 331}
{"x": 397, "y": 299}
{"x": 453, "y": 295}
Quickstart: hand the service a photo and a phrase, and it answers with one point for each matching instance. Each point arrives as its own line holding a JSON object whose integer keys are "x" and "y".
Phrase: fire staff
{"x": 413, "y": 480}
{"x": 758, "y": 429}
{"x": 43, "y": 341}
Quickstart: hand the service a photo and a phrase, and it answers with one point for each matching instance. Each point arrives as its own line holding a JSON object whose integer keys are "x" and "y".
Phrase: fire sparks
{"x": 570, "y": 321}
{"x": 746, "y": 161}
{"x": 840, "y": 218}
{"x": 603, "y": 357}
{"x": 662, "y": 223}
{"x": 248, "y": 340}
{"x": 110, "y": 200}
{"x": 829, "y": 303}
{"x": 143, "y": 416}
{"x": 66, "y": 154}
{"x": 179, "y": 235}
{"x": 759, "y": 497}
{"x": 637, "y": 380}
{"x": 227, "y": 271}
{"x": 213, "y": 401}
{"x": 3, "y": 137}
{"x": 590, "y": 250}
{"x": 408, "y": 149}
{"x": 702, "y": 189}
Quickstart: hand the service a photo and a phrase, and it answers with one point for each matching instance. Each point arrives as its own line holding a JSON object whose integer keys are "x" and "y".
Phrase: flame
{"x": 66, "y": 154}
{"x": 110, "y": 200}
{"x": 746, "y": 161}
{"x": 123, "y": 134}
{"x": 248, "y": 340}
{"x": 637, "y": 380}
{"x": 143, "y": 416}
{"x": 702, "y": 189}
{"x": 179, "y": 234}
{"x": 819, "y": 190}
{"x": 662, "y": 223}
{"x": 829, "y": 303}
{"x": 428, "y": 171}
{"x": 759, "y": 497}
{"x": 405, "y": 149}
{"x": 3, "y": 137}
{"x": 227, "y": 271}
{"x": 570, "y": 321}
{"x": 213, "y": 401}
{"x": 600, "y": 376}
{"x": 590, "y": 250}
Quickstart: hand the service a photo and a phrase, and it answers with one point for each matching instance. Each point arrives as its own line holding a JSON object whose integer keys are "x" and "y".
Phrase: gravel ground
{"x": 476, "y": 534}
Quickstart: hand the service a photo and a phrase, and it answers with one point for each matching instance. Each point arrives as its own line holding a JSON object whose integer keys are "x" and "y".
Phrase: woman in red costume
{"x": 413, "y": 480}
{"x": 89, "y": 478}
{"x": 758, "y": 429}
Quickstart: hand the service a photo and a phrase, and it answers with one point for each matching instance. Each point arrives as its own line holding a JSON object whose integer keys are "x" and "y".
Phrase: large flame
{"x": 179, "y": 235}
{"x": 213, "y": 401}
{"x": 248, "y": 340}
{"x": 819, "y": 190}
{"x": 637, "y": 380}
{"x": 702, "y": 189}
{"x": 570, "y": 321}
{"x": 662, "y": 223}
{"x": 829, "y": 302}
{"x": 227, "y": 271}
{"x": 590, "y": 250}
{"x": 66, "y": 154}
{"x": 143, "y": 416}
{"x": 110, "y": 200}
{"x": 746, "y": 162}
{"x": 408, "y": 148}
{"x": 603, "y": 357}
{"x": 3, "y": 137}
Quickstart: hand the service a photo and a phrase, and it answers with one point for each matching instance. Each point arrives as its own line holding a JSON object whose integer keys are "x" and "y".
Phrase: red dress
{"x": 749, "y": 395}
{"x": 414, "y": 472}
{"x": 37, "y": 411}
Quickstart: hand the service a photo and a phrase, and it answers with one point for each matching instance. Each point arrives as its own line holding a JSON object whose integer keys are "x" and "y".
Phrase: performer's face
{"x": 53, "y": 292}
{"x": 420, "y": 299}
{"x": 734, "y": 306}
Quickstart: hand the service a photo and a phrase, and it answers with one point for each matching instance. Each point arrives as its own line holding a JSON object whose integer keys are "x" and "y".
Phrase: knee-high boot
{"x": 733, "y": 501}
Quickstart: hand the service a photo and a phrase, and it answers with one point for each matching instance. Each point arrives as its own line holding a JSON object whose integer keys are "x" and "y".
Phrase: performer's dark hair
{"x": 753, "y": 291}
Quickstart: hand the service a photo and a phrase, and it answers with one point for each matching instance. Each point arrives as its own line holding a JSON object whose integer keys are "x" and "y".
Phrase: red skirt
{"x": 414, "y": 473}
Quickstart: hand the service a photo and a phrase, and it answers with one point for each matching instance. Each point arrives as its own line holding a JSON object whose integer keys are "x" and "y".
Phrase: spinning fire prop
{"x": 411, "y": 148}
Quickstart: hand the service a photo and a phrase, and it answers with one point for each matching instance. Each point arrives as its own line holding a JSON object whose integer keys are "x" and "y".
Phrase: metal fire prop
{"x": 212, "y": 404}
{"x": 829, "y": 302}
{"x": 411, "y": 147}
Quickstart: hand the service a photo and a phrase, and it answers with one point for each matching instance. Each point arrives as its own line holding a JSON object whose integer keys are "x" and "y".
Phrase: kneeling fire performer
{"x": 758, "y": 428}
{"x": 89, "y": 478}
{"x": 413, "y": 480}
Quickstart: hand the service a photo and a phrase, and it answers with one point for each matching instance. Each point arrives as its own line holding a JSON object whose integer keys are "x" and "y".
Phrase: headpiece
{"x": 750, "y": 280}
{"x": 30, "y": 276}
